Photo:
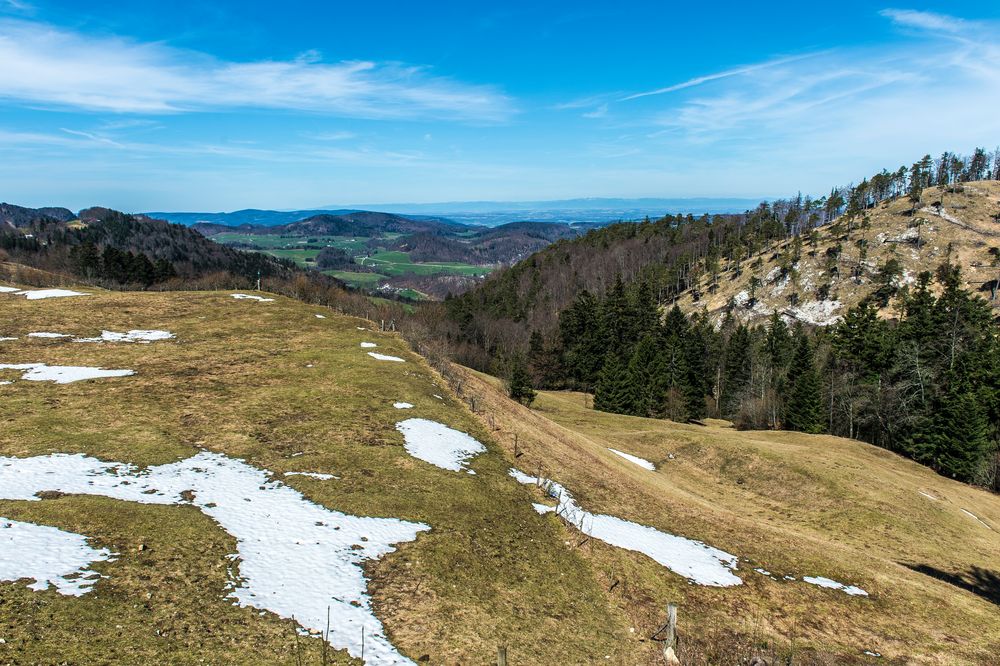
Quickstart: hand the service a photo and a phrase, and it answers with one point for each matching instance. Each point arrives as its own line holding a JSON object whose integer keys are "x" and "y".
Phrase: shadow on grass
{"x": 979, "y": 581}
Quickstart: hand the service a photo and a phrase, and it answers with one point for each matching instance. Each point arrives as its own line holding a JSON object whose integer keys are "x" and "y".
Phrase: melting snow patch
{"x": 8, "y": 290}
{"x": 49, "y": 556}
{"x": 38, "y": 294}
{"x": 296, "y": 558}
{"x": 872, "y": 654}
{"x": 7, "y": 339}
{"x": 251, "y": 297}
{"x": 320, "y": 316}
{"x": 313, "y": 475}
{"x": 383, "y": 357}
{"x": 641, "y": 462}
{"x": 976, "y": 518}
{"x": 144, "y": 337}
{"x": 438, "y": 444}
{"x": 763, "y": 572}
{"x": 834, "y": 585}
{"x": 62, "y": 374}
{"x": 694, "y": 560}
{"x": 369, "y": 345}
{"x": 402, "y": 405}
{"x": 927, "y": 495}
{"x": 45, "y": 334}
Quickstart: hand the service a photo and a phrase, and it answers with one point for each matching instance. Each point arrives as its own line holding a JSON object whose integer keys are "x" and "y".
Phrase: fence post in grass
{"x": 667, "y": 635}
{"x": 501, "y": 656}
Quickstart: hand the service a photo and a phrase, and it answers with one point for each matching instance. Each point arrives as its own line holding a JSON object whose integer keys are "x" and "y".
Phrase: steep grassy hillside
{"x": 923, "y": 547}
{"x": 277, "y": 386}
{"x": 841, "y": 264}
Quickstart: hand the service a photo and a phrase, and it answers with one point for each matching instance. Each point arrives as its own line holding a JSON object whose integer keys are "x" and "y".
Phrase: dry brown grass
{"x": 974, "y": 205}
{"x": 790, "y": 503}
{"x": 264, "y": 381}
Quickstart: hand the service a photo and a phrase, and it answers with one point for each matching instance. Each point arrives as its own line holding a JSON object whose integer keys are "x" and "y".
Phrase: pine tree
{"x": 953, "y": 437}
{"x": 736, "y": 377}
{"x": 645, "y": 390}
{"x": 583, "y": 342}
{"x": 805, "y": 410}
{"x": 519, "y": 381}
{"x": 612, "y": 393}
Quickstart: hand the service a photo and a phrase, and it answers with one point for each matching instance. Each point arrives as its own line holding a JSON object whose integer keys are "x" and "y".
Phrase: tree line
{"x": 926, "y": 386}
{"x": 675, "y": 254}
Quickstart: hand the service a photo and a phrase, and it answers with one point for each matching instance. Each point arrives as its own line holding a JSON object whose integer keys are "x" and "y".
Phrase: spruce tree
{"x": 612, "y": 393}
{"x": 519, "y": 381}
{"x": 645, "y": 389}
{"x": 805, "y": 409}
{"x": 736, "y": 377}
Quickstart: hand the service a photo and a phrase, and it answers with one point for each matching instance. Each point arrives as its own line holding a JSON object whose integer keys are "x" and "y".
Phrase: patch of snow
{"x": 872, "y": 654}
{"x": 763, "y": 572}
{"x": 5, "y": 383}
{"x": 927, "y": 495}
{"x": 313, "y": 475}
{"x": 62, "y": 374}
{"x": 438, "y": 444}
{"x": 402, "y": 405}
{"x": 296, "y": 558}
{"x": 252, "y": 297}
{"x": 361, "y": 328}
{"x": 438, "y": 397}
{"x": 368, "y": 345}
{"x": 320, "y": 316}
{"x": 641, "y": 462}
{"x": 7, "y": 339}
{"x": 38, "y": 294}
{"x": 852, "y": 590}
{"x": 383, "y": 357}
{"x": 976, "y": 518}
{"x": 49, "y": 556}
{"x": 696, "y": 561}
{"x": 8, "y": 290}
{"x": 45, "y": 334}
{"x": 143, "y": 337}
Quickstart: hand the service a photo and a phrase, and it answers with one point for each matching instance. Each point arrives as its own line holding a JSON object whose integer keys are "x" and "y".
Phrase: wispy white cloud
{"x": 42, "y": 64}
{"x": 699, "y": 80}
{"x": 17, "y": 6}
{"x": 821, "y": 118}
{"x": 911, "y": 18}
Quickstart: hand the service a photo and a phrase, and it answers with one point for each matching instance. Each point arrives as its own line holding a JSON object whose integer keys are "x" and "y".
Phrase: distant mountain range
{"x": 484, "y": 213}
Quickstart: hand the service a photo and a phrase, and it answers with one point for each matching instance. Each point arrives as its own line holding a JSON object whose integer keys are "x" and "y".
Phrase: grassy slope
{"x": 238, "y": 380}
{"x": 792, "y": 504}
{"x": 974, "y": 208}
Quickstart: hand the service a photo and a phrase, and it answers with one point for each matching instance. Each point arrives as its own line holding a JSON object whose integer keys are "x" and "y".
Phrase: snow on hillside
{"x": 694, "y": 560}
{"x": 296, "y": 558}
{"x": 48, "y": 556}
{"x": 439, "y": 445}
{"x": 62, "y": 374}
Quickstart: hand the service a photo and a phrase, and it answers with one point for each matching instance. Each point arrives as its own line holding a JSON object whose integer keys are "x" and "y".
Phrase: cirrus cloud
{"x": 46, "y": 65}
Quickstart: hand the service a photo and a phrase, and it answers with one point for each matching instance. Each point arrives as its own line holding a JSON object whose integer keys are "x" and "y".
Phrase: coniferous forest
{"x": 926, "y": 385}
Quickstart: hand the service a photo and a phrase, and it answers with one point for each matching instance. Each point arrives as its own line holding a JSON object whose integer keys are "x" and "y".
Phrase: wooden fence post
{"x": 667, "y": 635}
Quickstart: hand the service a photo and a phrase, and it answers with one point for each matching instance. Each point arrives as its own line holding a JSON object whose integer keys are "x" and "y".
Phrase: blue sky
{"x": 192, "y": 106}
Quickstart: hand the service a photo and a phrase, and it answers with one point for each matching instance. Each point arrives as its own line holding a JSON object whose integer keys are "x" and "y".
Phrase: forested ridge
{"x": 688, "y": 256}
{"x": 595, "y": 314}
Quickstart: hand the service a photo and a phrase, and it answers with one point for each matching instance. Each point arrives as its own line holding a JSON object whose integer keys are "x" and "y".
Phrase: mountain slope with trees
{"x": 911, "y": 365}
